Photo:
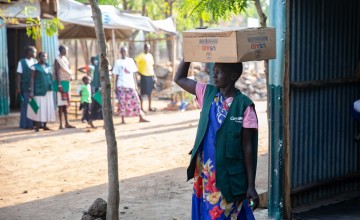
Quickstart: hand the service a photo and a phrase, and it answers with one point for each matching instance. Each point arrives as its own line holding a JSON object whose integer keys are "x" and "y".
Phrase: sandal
{"x": 69, "y": 126}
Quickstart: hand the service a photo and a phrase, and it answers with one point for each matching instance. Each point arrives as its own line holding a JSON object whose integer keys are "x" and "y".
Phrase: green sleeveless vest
{"x": 231, "y": 177}
{"x": 42, "y": 81}
{"x": 25, "y": 76}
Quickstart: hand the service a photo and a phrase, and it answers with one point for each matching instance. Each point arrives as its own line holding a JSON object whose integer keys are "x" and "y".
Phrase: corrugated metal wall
{"x": 4, "y": 77}
{"x": 324, "y": 45}
{"x": 50, "y": 44}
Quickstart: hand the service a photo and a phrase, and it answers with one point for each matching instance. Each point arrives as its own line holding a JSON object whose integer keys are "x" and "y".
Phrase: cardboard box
{"x": 229, "y": 45}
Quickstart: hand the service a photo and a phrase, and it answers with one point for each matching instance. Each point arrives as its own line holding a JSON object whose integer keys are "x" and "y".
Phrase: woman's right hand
{"x": 31, "y": 95}
{"x": 60, "y": 88}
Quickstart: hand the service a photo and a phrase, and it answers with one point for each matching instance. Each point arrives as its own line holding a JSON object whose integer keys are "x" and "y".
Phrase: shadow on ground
{"x": 162, "y": 195}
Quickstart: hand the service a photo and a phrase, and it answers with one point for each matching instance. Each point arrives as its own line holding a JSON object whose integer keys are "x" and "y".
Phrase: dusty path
{"x": 58, "y": 174}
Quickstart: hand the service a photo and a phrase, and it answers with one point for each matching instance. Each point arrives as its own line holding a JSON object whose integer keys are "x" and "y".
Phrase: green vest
{"x": 95, "y": 83}
{"x": 25, "y": 76}
{"x": 42, "y": 81}
{"x": 231, "y": 177}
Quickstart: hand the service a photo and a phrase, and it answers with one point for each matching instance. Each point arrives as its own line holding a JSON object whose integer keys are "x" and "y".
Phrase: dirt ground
{"x": 58, "y": 174}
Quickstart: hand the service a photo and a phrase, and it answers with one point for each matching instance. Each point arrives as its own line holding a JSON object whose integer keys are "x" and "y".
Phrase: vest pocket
{"x": 238, "y": 180}
{"x": 233, "y": 145}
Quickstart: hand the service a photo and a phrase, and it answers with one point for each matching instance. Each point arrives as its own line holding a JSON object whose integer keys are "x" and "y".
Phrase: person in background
{"x": 95, "y": 108}
{"x": 91, "y": 67}
{"x": 224, "y": 156}
{"x": 41, "y": 90}
{"x": 23, "y": 85}
{"x": 85, "y": 94}
{"x": 128, "y": 99}
{"x": 145, "y": 63}
{"x": 88, "y": 69}
{"x": 63, "y": 78}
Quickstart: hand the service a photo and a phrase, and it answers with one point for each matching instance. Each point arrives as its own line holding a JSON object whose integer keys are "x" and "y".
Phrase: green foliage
{"x": 51, "y": 27}
{"x": 103, "y": 2}
{"x": 34, "y": 25}
{"x": 212, "y": 9}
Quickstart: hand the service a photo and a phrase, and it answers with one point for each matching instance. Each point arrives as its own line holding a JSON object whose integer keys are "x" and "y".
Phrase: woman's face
{"x": 64, "y": 51}
{"x": 222, "y": 78}
{"x": 32, "y": 52}
{"x": 42, "y": 58}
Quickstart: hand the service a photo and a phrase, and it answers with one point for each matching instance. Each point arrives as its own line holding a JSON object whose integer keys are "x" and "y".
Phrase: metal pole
{"x": 275, "y": 108}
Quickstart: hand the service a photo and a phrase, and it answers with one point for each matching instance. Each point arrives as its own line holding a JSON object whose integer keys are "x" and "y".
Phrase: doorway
{"x": 17, "y": 41}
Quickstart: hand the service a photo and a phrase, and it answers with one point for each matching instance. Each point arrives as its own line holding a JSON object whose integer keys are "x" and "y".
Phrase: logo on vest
{"x": 237, "y": 119}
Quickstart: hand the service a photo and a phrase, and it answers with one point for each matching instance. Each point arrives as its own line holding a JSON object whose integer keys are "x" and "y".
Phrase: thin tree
{"x": 112, "y": 212}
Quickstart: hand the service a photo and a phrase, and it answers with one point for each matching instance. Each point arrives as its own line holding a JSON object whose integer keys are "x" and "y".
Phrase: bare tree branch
{"x": 260, "y": 12}
{"x": 112, "y": 212}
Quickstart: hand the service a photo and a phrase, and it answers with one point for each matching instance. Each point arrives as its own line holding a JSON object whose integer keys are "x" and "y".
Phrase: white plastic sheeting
{"x": 78, "y": 21}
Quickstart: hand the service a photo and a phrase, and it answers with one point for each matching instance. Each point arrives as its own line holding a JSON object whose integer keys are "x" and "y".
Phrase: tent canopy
{"x": 78, "y": 21}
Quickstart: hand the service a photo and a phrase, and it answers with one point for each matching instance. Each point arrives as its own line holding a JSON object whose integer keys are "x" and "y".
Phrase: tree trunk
{"x": 112, "y": 212}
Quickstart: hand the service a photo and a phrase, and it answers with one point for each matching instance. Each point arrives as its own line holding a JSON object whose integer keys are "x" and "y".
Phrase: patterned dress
{"x": 207, "y": 201}
{"x": 129, "y": 102}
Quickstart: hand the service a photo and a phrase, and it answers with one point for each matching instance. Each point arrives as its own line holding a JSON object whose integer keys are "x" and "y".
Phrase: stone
{"x": 87, "y": 217}
{"x": 98, "y": 208}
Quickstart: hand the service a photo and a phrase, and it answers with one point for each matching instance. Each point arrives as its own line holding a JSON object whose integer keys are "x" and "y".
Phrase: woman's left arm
{"x": 247, "y": 136}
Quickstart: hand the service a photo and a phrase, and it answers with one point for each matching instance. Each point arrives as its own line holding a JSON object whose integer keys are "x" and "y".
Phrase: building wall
{"x": 4, "y": 77}
{"x": 50, "y": 44}
{"x": 324, "y": 52}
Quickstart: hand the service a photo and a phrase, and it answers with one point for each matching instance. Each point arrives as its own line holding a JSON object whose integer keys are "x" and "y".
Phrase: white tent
{"x": 78, "y": 22}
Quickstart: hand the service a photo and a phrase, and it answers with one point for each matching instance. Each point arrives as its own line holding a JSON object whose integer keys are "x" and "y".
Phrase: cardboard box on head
{"x": 229, "y": 45}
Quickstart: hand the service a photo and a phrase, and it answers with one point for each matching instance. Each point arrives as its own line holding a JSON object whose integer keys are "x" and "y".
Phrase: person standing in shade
{"x": 96, "y": 108}
{"x": 23, "y": 85}
{"x": 145, "y": 63}
{"x": 129, "y": 103}
{"x": 63, "y": 78}
{"x": 41, "y": 90}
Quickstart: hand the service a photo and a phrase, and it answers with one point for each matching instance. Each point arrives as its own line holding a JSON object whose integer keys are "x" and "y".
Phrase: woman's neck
{"x": 228, "y": 91}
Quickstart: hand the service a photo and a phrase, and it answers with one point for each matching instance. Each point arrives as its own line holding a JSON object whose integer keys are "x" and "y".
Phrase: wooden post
{"x": 286, "y": 122}
{"x": 173, "y": 57}
{"x": 76, "y": 60}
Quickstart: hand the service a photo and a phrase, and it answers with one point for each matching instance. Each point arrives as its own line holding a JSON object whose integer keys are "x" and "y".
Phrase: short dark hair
{"x": 28, "y": 49}
{"x": 233, "y": 68}
{"x": 62, "y": 47}
{"x": 85, "y": 77}
{"x": 41, "y": 53}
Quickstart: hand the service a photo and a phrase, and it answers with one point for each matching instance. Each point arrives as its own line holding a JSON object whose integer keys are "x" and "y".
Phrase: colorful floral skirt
{"x": 128, "y": 102}
{"x": 208, "y": 202}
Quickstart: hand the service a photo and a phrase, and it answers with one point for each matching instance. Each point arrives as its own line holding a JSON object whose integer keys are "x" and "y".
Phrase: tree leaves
{"x": 213, "y": 9}
{"x": 51, "y": 27}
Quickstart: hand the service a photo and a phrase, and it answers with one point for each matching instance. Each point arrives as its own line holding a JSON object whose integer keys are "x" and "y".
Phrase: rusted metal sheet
{"x": 324, "y": 47}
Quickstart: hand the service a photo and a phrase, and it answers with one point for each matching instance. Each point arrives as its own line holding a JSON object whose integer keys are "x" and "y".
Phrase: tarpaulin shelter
{"x": 78, "y": 22}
